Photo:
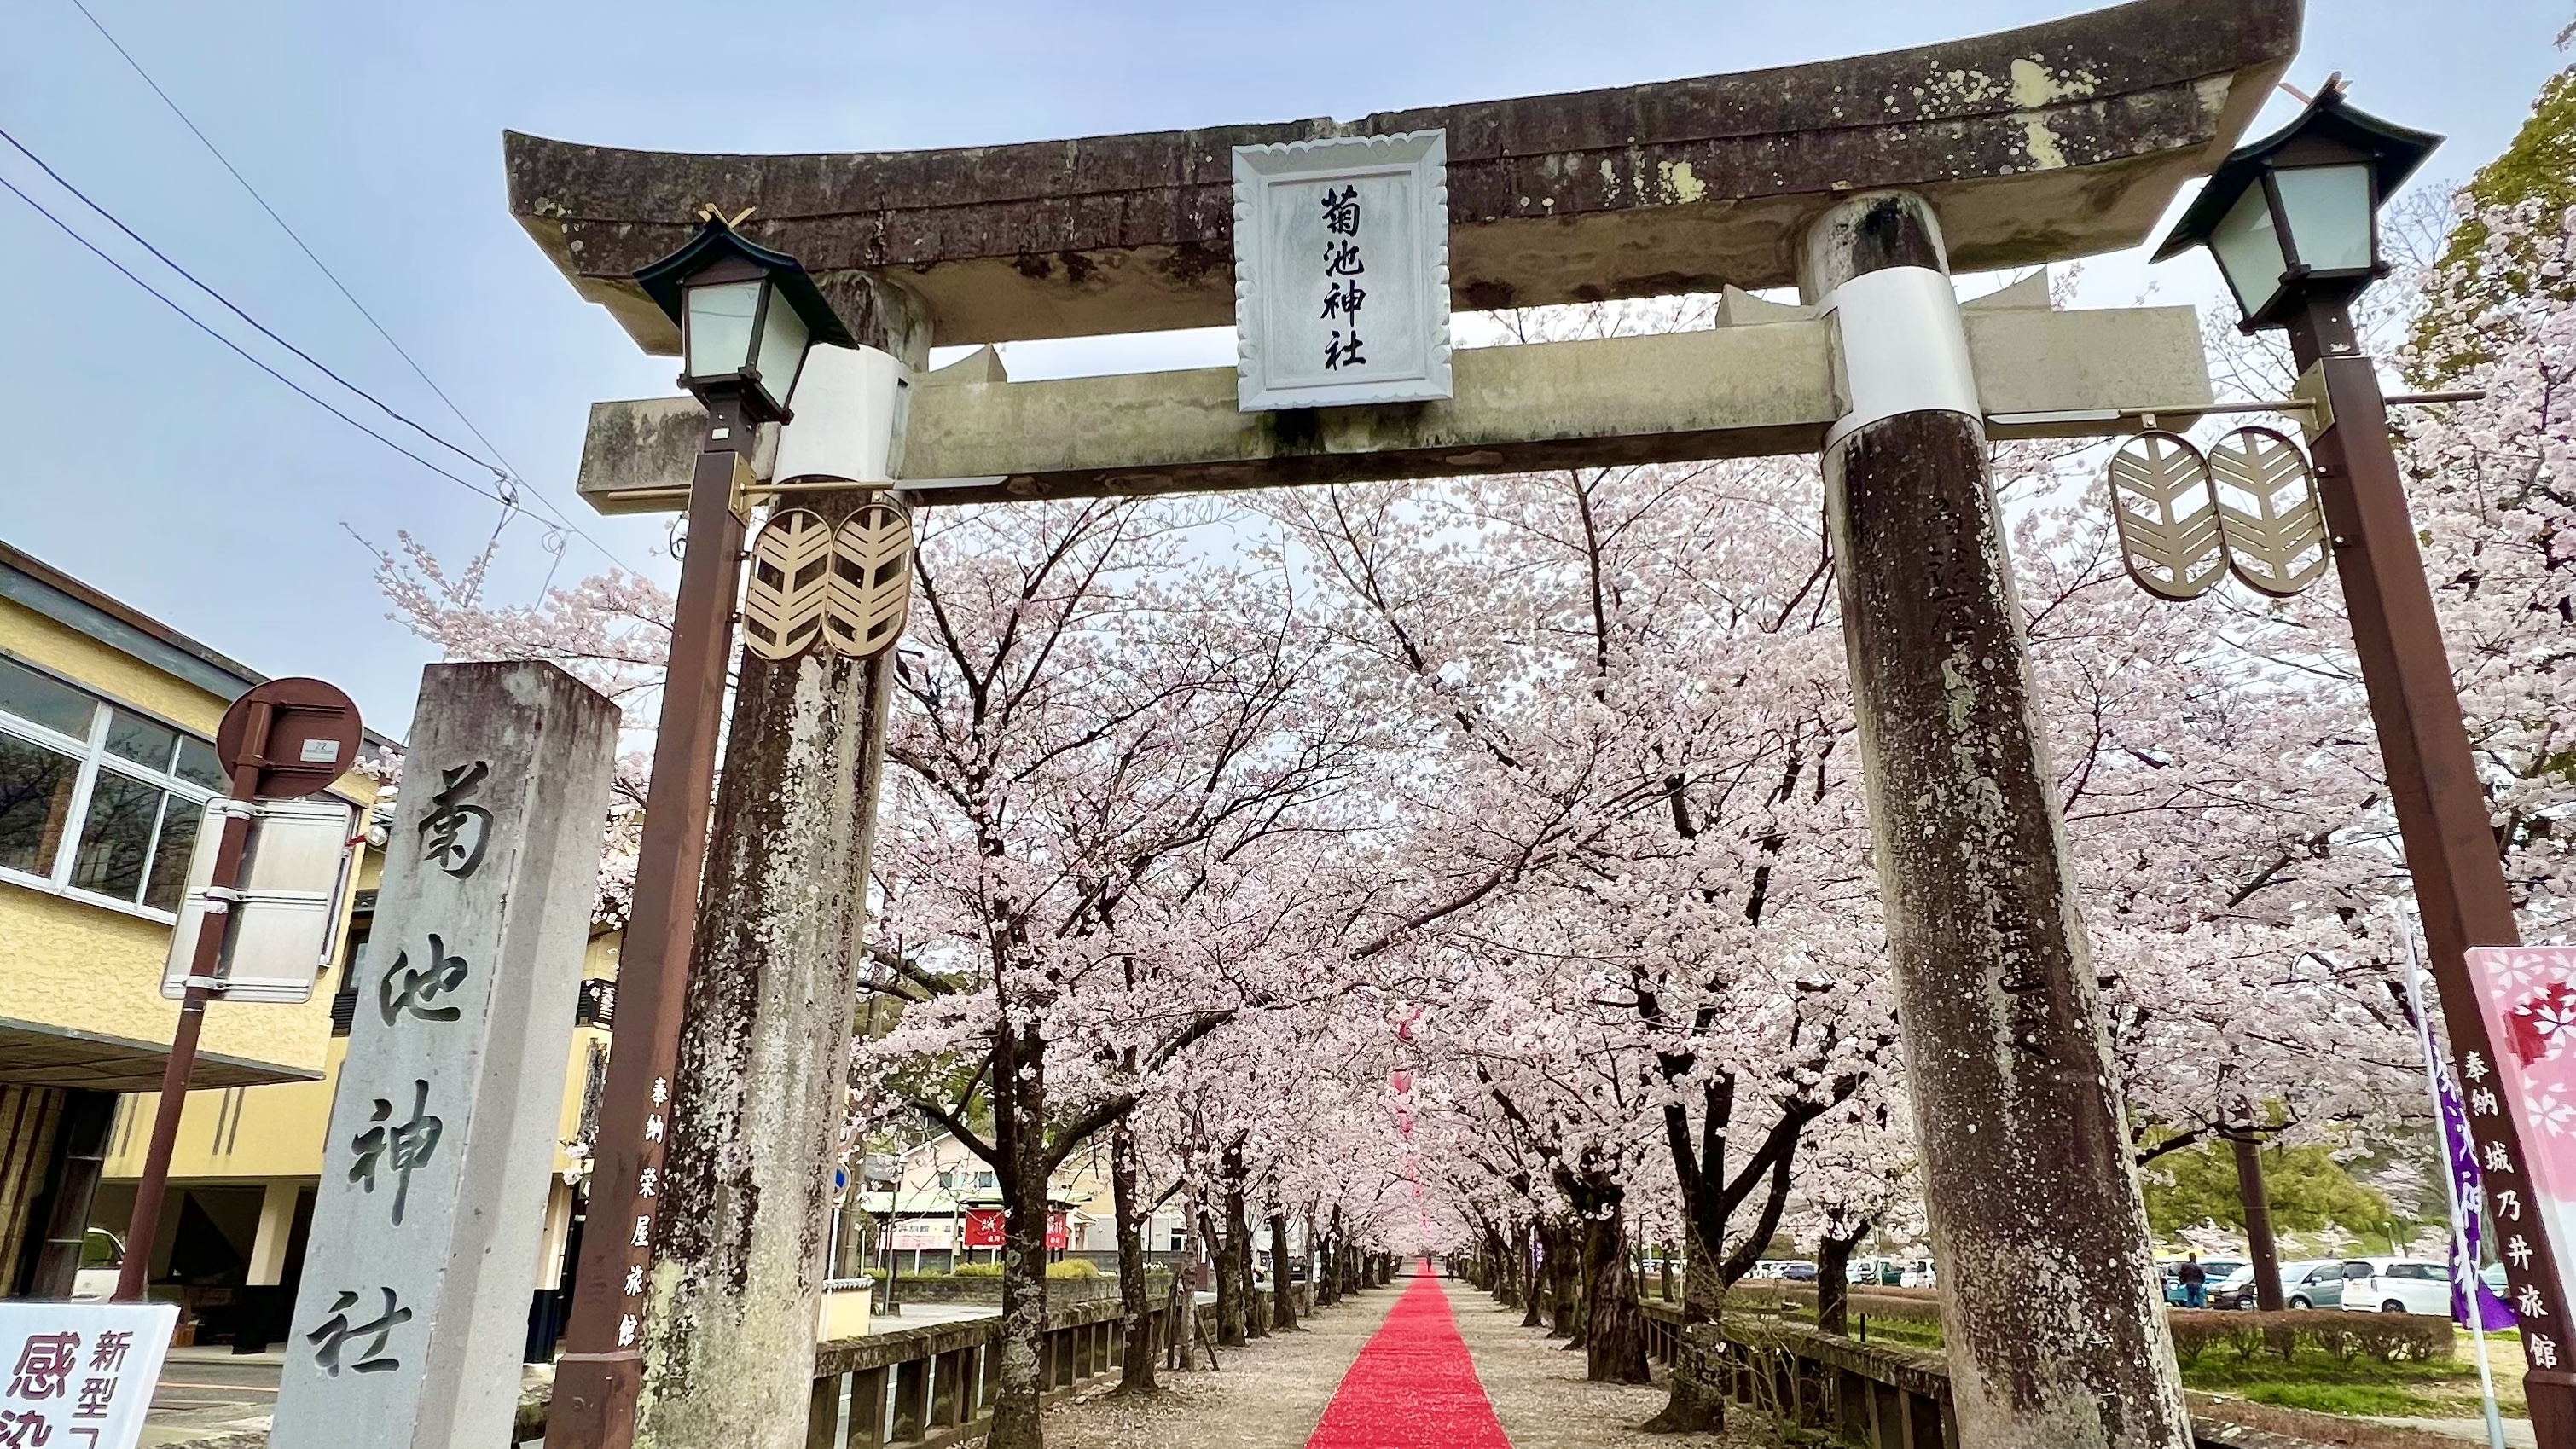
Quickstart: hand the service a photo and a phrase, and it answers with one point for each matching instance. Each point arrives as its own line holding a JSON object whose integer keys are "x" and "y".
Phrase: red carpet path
{"x": 1413, "y": 1387}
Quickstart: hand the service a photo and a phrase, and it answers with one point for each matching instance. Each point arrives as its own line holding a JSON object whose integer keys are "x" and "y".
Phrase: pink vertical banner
{"x": 2528, "y": 996}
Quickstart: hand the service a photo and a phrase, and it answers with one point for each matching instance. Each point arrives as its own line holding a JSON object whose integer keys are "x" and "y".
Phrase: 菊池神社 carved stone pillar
{"x": 2056, "y": 1338}
{"x": 761, "y": 1090}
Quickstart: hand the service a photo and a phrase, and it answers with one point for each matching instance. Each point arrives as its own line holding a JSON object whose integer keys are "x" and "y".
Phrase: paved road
{"x": 208, "y": 1391}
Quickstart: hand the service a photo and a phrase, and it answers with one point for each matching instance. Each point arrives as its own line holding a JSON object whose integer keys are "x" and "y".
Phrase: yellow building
{"x": 107, "y": 719}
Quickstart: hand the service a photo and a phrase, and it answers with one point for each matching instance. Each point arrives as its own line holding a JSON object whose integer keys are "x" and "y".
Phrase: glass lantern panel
{"x": 2329, "y": 211}
{"x": 2249, "y": 250}
{"x": 719, "y": 326}
{"x": 782, "y": 350}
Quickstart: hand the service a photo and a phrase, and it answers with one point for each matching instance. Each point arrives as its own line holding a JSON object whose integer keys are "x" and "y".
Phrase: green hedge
{"x": 1069, "y": 1268}
{"x": 2385, "y": 1337}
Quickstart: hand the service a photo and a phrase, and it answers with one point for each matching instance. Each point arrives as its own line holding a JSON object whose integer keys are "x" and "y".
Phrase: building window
{"x": 96, "y": 800}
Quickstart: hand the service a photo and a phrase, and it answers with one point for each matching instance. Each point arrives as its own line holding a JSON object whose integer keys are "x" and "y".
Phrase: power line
{"x": 164, "y": 258}
{"x": 200, "y": 324}
{"x": 509, "y": 485}
{"x": 291, "y": 235}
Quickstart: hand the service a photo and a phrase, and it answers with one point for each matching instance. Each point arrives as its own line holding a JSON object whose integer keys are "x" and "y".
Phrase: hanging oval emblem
{"x": 2167, "y": 520}
{"x": 2268, "y": 513}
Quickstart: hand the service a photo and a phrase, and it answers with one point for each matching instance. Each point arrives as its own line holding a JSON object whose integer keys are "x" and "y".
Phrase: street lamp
{"x": 2294, "y": 218}
{"x": 746, "y": 315}
{"x": 2292, "y": 221}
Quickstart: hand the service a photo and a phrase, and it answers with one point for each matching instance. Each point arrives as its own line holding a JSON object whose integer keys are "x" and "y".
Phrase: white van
{"x": 2396, "y": 1285}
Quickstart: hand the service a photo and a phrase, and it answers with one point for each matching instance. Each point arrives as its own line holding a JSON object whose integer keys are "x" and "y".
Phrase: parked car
{"x": 1919, "y": 1273}
{"x": 1799, "y": 1271}
{"x": 1881, "y": 1272}
{"x": 2397, "y": 1285}
{"x": 2213, "y": 1271}
{"x": 2310, "y": 1283}
{"x": 102, "y": 1258}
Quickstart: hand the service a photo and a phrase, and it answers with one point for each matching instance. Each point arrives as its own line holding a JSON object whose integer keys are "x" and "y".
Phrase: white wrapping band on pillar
{"x": 845, "y": 404}
{"x": 1904, "y": 348}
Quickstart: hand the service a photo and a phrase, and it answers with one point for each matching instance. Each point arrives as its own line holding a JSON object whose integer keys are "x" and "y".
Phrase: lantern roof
{"x": 2328, "y": 129}
{"x": 714, "y": 242}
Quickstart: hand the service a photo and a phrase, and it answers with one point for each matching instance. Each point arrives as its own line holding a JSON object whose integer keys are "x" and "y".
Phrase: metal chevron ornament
{"x": 2268, "y": 513}
{"x": 2166, "y": 515}
{"x": 784, "y": 601}
{"x": 870, "y": 591}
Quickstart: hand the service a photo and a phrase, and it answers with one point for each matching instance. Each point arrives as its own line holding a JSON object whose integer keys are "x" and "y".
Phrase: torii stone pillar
{"x": 762, "y": 1086}
{"x": 2049, "y": 1302}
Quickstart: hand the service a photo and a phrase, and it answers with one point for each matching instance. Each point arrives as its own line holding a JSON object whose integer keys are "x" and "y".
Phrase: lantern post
{"x": 2293, "y": 223}
{"x": 747, "y": 316}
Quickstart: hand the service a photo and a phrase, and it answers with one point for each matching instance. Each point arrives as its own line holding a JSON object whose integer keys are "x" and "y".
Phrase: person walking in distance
{"x": 2195, "y": 1282}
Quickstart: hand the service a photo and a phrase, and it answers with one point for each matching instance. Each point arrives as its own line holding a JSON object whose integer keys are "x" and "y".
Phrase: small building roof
{"x": 38, "y": 586}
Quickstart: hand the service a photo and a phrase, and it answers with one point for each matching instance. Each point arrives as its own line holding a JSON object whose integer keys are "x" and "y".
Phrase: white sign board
{"x": 413, "y": 1312}
{"x": 79, "y": 1375}
{"x": 1341, "y": 271}
{"x": 294, "y": 885}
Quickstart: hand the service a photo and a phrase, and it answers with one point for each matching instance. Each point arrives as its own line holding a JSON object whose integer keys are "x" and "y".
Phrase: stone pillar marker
{"x": 2047, "y": 1274}
{"x": 412, "y": 1316}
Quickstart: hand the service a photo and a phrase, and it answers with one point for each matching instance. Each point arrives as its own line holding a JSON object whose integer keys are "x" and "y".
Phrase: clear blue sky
{"x": 153, "y": 464}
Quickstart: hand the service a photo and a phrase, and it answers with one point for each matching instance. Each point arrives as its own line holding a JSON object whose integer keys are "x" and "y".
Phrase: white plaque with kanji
{"x": 80, "y": 1375}
{"x": 1341, "y": 271}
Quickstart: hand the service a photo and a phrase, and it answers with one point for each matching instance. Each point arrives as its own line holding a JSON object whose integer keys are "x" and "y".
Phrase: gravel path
{"x": 1539, "y": 1392}
{"x": 1268, "y": 1395}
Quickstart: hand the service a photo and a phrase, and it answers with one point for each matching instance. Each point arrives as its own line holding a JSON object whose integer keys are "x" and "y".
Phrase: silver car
{"x": 2316, "y": 1283}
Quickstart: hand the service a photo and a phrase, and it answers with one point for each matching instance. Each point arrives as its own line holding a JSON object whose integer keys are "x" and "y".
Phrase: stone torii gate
{"x": 1861, "y": 182}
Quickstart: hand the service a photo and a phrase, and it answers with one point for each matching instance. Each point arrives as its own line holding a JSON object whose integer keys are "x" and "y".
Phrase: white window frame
{"x": 95, "y": 756}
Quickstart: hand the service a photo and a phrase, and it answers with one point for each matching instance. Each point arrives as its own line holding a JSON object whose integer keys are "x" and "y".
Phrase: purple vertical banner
{"x": 2469, "y": 1202}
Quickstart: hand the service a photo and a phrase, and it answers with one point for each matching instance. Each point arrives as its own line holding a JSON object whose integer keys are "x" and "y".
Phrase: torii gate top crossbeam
{"x": 2035, "y": 145}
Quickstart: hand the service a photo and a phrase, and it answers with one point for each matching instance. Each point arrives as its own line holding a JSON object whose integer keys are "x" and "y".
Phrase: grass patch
{"x": 2321, "y": 1383}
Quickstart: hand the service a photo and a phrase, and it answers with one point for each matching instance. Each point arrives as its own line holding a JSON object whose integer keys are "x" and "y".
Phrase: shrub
{"x": 2385, "y": 1337}
{"x": 1074, "y": 1268}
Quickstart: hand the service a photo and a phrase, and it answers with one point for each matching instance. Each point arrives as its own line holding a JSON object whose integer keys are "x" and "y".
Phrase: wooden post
{"x": 2441, "y": 804}
{"x": 2259, "y": 1242}
{"x": 2056, "y": 1337}
{"x": 601, "y": 1368}
{"x": 758, "y": 1092}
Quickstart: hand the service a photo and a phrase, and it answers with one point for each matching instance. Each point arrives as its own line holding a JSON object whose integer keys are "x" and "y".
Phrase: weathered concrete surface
{"x": 1765, "y": 386}
{"x": 2054, "y": 1329}
{"x": 431, "y": 1203}
{"x": 759, "y": 1097}
{"x": 2046, "y": 143}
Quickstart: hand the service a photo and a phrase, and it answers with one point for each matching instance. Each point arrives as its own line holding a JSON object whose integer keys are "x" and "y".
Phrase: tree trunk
{"x": 2259, "y": 1243}
{"x": 1019, "y": 1139}
{"x": 1319, "y": 1257}
{"x": 1533, "y": 1248}
{"x": 1238, "y": 1233}
{"x": 1283, "y": 1293}
{"x": 2027, "y": 1178}
{"x": 1135, "y": 1309}
{"x": 1614, "y": 1333}
{"x": 1564, "y": 1292}
{"x": 1229, "y": 1284}
{"x": 1833, "y": 1279}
